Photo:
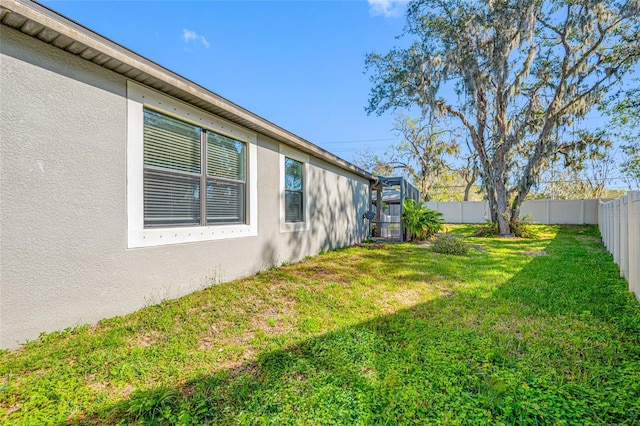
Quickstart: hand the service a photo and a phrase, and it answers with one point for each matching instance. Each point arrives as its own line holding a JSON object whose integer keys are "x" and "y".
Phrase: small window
{"x": 293, "y": 190}
{"x": 176, "y": 168}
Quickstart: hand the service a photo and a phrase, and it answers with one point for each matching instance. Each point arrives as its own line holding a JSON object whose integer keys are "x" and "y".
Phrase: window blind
{"x": 225, "y": 179}
{"x": 292, "y": 206}
{"x": 293, "y": 194}
{"x": 171, "y": 199}
{"x": 225, "y": 157}
{"x": 173, "y": 174}
{"x": 170, "y": 143}
{"x": 225, "y": 201}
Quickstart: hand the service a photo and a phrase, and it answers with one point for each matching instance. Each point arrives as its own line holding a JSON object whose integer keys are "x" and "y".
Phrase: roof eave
{"x": 40, "y": 22}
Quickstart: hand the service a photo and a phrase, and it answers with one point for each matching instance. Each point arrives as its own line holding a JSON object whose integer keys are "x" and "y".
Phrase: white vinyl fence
{"x": 567, "y": 212}
{"x": 619, "y": 222}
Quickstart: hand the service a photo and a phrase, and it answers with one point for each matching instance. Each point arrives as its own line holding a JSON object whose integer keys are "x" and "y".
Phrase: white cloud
{"x": 386, "y": 8}
{"x": 189, "y": 35}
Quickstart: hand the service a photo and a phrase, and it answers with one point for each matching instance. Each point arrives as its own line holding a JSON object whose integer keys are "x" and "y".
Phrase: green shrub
{"x": 488, "y": 229}
{"x": 156, "y": 404}
{"x": 450, "y": 244}
{"x": 420, "y": 222}
{"x": 520, "y": 228}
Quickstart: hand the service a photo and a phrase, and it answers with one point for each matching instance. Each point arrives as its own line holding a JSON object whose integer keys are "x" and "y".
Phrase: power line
{"x": 584, "y": 180}
{"x": 583, "y": 122}
{"x": 359, "y": 140}
{"x": 355, "y": 149}
{"x": 439, "y": 186}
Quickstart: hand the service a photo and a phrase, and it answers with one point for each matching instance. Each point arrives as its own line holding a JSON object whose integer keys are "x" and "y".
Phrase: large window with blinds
{"x": 192, "y": 175}
{"x": 293, "y": 191}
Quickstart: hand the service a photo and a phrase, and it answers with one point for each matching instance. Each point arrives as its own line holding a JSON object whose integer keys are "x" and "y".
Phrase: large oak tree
{"x": 512, "y": 72}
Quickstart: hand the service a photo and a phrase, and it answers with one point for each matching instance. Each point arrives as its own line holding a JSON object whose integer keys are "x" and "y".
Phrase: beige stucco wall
{"x": 64, "y": 259}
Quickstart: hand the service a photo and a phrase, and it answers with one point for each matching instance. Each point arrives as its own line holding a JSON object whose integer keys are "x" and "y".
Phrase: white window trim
{"x": 139, "y": 97}
{"x": 286, "y": 151}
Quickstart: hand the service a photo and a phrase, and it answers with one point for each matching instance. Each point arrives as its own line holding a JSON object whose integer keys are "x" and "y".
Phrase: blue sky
{"x": 299, "y": 64}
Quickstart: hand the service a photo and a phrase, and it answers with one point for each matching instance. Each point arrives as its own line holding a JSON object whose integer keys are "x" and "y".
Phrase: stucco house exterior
{"x": 123, "y": 183}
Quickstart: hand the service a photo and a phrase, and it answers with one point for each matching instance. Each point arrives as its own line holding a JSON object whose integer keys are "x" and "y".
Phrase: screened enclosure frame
{"x": 392, "y": 191}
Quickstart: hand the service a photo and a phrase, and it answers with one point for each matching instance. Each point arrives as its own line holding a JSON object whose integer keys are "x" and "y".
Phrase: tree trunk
{"x": 471, "y": 179}
{"x": 524, "y": 186}
{"x": 499, "y": 182}
{"x": 500, "y": 155}
{"x": 493, "y": 206}
{"x": 487, "y": 179}
{"x": 504, "y": 225}
{"x": 515, "y": 210}
{"x": 467, "y": 188}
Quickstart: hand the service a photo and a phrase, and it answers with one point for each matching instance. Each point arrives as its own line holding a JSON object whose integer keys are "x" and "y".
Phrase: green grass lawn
{"x": 516, "y": 332}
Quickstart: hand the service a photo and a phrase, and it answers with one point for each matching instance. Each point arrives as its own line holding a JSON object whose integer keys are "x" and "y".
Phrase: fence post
{"x": 633, "y": 217}
{"x": 624, "y": 237}
{"x": 600, "y": 218}
{"x": 602, "y": 221}
{"x": 548, "y": 205}
{"x": 616, "y": 234}
{"x": 606, "y": 206}
{"x": 612, "y": 228}
{"x": 605, "y": 223}
{"x": 609, "y": 227}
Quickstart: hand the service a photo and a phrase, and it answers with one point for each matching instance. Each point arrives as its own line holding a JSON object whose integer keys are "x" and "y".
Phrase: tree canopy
{"x": 428, "y": 156}
{"x": 626, "y": 125}
{"x": 511, "y": 72}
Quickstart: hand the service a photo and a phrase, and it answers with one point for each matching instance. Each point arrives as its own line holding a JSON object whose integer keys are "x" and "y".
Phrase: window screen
{"x": 176, "y": 168}
{"x": 225, "y": 179}
{"x": 172, "y": 167}
{"x": 293, "y": 190}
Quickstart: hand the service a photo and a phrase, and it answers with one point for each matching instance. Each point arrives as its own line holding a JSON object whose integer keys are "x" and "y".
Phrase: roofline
{"x": 47, "y": 25}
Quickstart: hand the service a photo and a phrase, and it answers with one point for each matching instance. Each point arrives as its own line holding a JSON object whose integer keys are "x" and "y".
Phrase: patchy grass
{"x": 518, "y": 331}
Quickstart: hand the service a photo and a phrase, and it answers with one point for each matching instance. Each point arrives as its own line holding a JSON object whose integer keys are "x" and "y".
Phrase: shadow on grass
{"x": 558, "y": 342}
